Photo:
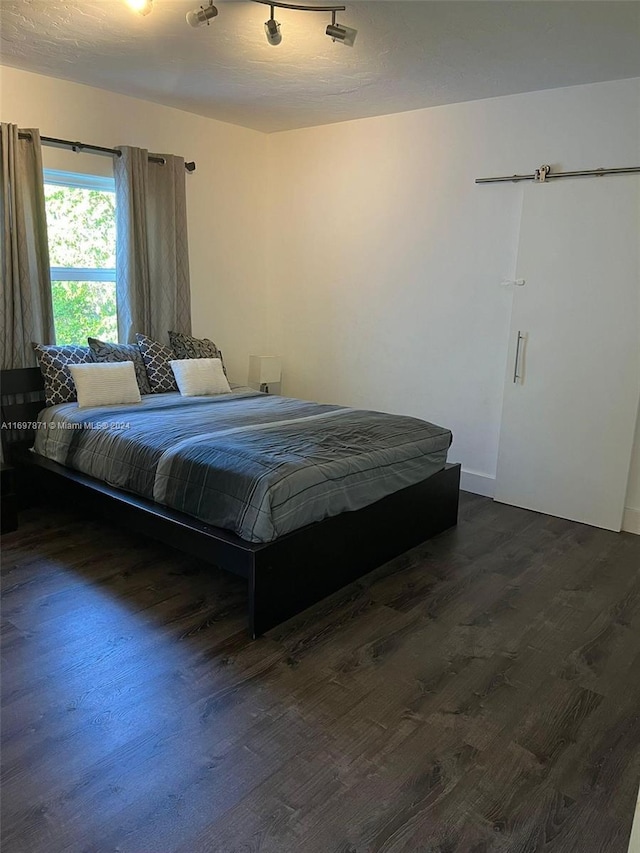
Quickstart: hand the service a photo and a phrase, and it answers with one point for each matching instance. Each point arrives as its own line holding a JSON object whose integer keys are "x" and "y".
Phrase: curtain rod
{"x": 544, "y": 173}
{"x": 80, "y": 147}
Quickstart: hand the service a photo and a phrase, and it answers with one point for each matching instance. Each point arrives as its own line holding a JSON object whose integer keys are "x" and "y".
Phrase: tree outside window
{"x": 82, "y": 246}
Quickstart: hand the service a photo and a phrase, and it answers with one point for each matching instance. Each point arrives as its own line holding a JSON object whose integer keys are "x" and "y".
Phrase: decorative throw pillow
{"x": 54, "y": 361}
{"x": 107, "y": 352}
{"x": 186, "y": 346}
{"x": 106, "y": 384}
{"x": 200, "y": 376}
{"x": 156, "y": 357}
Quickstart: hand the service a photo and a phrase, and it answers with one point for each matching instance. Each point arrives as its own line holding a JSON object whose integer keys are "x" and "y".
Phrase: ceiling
{"x": 407, "y": 55}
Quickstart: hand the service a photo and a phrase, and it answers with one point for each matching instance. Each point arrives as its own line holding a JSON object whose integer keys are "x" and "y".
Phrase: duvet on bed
{"x": 255, "y": 464}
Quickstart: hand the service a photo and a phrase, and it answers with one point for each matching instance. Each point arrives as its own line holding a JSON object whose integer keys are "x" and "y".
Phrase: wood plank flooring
{"x": 480, "y": 693}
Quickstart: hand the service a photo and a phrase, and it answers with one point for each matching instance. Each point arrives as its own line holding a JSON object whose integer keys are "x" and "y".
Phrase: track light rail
{"x": 300, "y": 8}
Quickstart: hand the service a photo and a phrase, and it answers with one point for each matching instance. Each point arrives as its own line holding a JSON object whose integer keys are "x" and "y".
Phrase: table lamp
{"x": 264, "y": 370}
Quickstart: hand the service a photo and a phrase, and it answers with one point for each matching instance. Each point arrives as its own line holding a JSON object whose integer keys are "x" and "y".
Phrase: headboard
{"x": 21, "y": 398}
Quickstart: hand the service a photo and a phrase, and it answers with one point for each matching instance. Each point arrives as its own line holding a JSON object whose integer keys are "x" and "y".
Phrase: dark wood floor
{"x": 481, "y": 693}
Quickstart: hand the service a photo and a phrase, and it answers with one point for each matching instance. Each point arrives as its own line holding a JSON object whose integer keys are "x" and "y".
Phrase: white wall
{"x": 380, "y": 287}
{"x": 386, "y": 291}
{"x": 225, "y": 196}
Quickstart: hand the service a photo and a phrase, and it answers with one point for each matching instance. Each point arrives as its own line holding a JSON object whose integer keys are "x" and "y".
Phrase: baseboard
{"x": 478, "y": 484}
{"x": 630, "y": 520}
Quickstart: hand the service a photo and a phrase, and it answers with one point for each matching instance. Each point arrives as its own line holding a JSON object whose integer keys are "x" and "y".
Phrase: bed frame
{"x": 284, "y": 576}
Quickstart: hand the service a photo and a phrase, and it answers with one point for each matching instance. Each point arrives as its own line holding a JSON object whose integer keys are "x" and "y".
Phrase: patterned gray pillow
{"x": 186, "y": 346}
{"x": 54, "y": 361}
{"x": 104, "y": 351}
{"x": 156, "y": 357}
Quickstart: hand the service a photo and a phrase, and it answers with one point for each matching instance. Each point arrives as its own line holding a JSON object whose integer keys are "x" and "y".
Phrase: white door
{"x": 571, "y": 396}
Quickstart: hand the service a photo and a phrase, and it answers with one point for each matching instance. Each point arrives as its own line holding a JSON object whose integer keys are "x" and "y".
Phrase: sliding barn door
{"x": 573, "y": 371}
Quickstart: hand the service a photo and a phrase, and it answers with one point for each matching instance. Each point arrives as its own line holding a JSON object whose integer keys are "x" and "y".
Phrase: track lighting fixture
{"x": 201, "y": 16}
{"x": 142, "y": 7}
{"x": 337, "y": 32}
{"x": 272, "y": 29}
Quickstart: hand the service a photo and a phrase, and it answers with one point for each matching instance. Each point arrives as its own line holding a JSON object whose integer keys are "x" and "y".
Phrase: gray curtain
{"x": 26, "y": 306}
{"x": 152, "y": 255}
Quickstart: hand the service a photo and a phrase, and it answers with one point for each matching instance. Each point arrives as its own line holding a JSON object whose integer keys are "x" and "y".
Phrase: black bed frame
{"x": 285, "y": 576}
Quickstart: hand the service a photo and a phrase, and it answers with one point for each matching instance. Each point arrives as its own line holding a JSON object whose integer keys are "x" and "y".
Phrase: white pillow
{"x": 105, "y": 384}
{"x": 197, "y": 377}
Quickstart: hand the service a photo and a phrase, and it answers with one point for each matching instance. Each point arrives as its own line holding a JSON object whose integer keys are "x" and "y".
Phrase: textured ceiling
{"x": 407, "y": 54}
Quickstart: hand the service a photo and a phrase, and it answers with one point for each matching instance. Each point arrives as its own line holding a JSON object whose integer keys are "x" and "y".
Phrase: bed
{"x": 299, "y": 498}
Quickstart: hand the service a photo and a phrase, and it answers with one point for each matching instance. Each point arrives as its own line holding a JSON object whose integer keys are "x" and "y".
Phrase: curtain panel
{"x": 26, "y": 309}
{"x": 152, "y": 253}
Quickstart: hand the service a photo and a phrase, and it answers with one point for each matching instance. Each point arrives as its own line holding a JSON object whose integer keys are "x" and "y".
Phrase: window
{"x": 82, "y": 247}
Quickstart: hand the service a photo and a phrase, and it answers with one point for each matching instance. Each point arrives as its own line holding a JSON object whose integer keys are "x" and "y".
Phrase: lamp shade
{"x": 264, "y": 369}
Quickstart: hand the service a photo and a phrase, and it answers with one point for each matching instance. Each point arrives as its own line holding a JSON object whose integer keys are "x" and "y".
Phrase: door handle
{"x": 516, "y": 367}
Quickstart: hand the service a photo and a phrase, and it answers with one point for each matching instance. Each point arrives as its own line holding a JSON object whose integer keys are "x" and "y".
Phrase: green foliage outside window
{"x": 83, "y": 309}
{"x": 82, "y": 234}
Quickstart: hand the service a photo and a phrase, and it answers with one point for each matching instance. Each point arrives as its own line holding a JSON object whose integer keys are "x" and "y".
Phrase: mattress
{"x": 256, "y": 464}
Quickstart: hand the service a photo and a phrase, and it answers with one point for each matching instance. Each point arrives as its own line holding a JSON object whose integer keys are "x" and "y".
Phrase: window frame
{"x": 86, "y": 182}
{"x": 80, "y": 180}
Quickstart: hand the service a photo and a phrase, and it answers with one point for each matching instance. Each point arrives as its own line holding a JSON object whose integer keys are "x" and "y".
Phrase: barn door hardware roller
{"x": 544, "y": 174}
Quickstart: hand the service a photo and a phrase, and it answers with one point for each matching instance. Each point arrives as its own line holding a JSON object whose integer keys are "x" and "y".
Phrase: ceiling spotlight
{"x": 142, "y": 7}
{"x": 336, "y": 32}
{"x": 272, "y": 29}
{"x": 201, "y": 16}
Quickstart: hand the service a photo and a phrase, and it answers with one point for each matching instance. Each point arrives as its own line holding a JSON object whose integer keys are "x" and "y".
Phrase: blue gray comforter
{"x": 255, "y": 464}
